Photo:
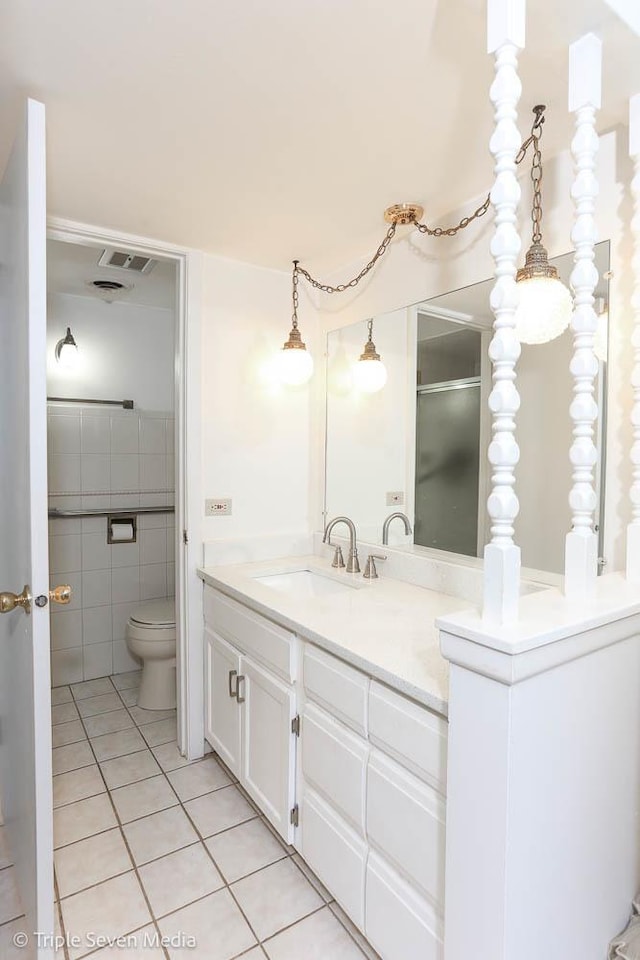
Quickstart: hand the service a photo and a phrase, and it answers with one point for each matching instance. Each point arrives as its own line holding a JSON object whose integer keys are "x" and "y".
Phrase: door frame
{"x": 189, "y": 613}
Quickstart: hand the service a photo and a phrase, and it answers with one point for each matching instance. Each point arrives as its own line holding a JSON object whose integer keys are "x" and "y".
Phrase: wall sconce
{"x": 369, "y": 372}
{"x": 545, "y": 306}
{"x": 545, "y": 303}
{"x": 66, "y": 351}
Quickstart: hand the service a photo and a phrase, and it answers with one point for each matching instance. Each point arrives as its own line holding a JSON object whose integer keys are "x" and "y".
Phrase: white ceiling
{"x": 268, "y": 131}
{"x": 71, "y": 267}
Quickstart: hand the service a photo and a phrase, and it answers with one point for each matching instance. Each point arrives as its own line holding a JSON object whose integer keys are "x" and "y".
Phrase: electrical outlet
{"x": 220, "y": 507}
{"x": 395, "y": 498}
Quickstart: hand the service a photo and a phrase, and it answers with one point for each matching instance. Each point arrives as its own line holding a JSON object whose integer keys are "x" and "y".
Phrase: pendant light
{"x": 545, "y": 306}
{"x": 369, "y": 373}
{"x": 295, "y": 362}
{"x": 66, "y": 351}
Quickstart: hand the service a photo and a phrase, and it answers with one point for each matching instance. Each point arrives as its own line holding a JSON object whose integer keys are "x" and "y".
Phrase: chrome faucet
{"x": 352, "y": 560}
{"x": 385, "y": 526}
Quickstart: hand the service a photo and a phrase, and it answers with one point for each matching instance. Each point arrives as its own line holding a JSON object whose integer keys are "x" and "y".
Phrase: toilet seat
{"x": 155, "y": 615}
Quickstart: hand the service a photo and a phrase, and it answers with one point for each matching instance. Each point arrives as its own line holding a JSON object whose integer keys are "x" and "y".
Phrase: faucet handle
{"x": 370, "y": 571}
{"x": 338, "y": 559}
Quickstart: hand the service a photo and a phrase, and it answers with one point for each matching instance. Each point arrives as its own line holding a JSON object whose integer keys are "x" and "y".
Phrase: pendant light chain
{"x": 295, "y": 295}
{"x": 536, "y": 171}
{"x": 536, "y": 216}
{"x": 341, "y": 287}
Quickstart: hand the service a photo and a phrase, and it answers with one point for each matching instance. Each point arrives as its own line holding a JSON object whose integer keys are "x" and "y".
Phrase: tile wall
{"x": 106, "y": 458}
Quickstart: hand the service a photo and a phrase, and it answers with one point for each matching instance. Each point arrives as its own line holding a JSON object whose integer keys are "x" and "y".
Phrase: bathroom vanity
{"x": 326, "y": 695}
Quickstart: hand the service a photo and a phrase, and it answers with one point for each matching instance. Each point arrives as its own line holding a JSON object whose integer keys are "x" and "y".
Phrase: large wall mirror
{"x": 419, "y": 444}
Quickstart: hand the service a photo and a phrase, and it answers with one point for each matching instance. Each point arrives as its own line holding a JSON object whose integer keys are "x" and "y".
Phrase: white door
{"x": 222, "y": 718}
{"x": 25, "y": 697}
{"x": 268, "y": 750}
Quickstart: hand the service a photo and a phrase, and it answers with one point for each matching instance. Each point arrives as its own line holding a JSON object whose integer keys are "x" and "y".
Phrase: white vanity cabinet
{"x": 250, "y": 704}
{"x": 371, "y": 784}
{"x": 348, "y": 770}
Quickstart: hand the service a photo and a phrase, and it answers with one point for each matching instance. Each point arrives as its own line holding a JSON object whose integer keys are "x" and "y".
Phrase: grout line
{"x": 226, "y": 886}
{"x": 133, "y": 863}
{"x": 65, "y": 948}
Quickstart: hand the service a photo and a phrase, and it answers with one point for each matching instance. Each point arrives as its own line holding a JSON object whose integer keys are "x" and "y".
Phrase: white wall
{"x": 255, "y": 433}
{"x": 125, "y": 351}
{"x": 417, "y": 268}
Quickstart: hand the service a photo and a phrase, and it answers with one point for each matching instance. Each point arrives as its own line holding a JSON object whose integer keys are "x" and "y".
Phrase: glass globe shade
{"x": 544, "y": 311}
{"x": 369, "y": 376}
{"x": 68, "y": 356}
{"x": 295, "y": 366}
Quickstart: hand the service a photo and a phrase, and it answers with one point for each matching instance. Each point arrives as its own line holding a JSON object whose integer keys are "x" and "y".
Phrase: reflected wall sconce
{"x": 369, "y": 372}
{"x": 545, "y": 302}
{"x": 66, "y": 351}
{"x": 601, "y": 340}
{"x": 545, "y": 305}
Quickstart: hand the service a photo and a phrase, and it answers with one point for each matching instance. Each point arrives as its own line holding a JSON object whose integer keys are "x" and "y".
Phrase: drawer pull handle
{"x": 232, "y": 692}
{"x": 238, "y": 682}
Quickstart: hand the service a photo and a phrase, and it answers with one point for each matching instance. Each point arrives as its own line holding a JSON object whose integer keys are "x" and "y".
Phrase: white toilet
{"x": 151, "y": 636}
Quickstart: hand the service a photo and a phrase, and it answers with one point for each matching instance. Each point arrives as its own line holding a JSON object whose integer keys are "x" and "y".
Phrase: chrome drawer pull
{"x": 238, "y": 682}
{"x": 232, "y": 692}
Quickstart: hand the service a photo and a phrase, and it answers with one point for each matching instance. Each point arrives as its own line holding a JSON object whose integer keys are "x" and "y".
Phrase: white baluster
{"x": 581, "y": 549}
{"x": 505, "y": 34}
{"x": 633, "y": 530}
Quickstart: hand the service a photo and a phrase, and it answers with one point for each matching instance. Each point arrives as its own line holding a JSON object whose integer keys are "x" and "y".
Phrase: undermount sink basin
{"x": 304, "y": 583}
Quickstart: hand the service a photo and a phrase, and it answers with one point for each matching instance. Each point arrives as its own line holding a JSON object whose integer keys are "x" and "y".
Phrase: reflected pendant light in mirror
{"x": 369, "y": 373}
{"x": 545, "y": 305}
{"x": 295, "y": 363}
{"x": 66, "y": 351}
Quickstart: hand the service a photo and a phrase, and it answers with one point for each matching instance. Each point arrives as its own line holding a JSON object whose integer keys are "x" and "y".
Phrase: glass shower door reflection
{"x": 447, "y": 466}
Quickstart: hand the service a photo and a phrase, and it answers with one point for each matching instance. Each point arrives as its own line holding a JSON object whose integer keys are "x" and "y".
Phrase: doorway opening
{"x": 113, "y": 415}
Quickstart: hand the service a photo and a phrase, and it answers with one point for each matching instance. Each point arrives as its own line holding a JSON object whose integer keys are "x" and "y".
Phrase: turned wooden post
{"x": 505, "y": 36}
{"x": 581, "y": 550}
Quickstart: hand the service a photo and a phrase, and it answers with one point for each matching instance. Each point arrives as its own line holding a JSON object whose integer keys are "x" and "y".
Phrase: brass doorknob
{"x": 61, "y": 594}
{"x": 9, "y": 601}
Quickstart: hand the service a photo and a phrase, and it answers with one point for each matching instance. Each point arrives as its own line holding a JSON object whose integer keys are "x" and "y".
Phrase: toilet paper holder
{"x": 122, "y": 529}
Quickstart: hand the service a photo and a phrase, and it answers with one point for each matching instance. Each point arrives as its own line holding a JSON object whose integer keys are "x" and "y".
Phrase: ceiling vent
{"x": 126, "y": 261}
{"x": 109, "y": 290}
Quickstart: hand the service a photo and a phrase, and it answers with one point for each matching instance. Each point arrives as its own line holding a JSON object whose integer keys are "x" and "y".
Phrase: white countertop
{"x": 384, "y": 627}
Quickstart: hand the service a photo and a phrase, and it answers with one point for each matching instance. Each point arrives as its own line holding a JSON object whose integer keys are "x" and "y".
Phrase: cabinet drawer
{"x": 265, "y": 641}
{"x": 406, "y": 823}
{"x": 399, "y": 924}
{"x": 335, "y": 853}
{"x": 337, "y": 687}
{"x": 334, "y": 763}
{"x": 413, "y": 735}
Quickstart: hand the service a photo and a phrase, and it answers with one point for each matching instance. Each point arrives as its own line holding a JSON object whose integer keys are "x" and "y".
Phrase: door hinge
{"x": 295, "y": 816}
{"x": 185, "y": 536}
{"x": 295, "y": 725}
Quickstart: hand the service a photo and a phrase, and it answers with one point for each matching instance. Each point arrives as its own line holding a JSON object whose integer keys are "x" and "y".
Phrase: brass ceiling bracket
{"x": 403, "y": 213}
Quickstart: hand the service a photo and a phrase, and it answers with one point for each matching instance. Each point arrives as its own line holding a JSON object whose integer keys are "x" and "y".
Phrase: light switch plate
{"x": 218, "y": 507}
{"x": 395, "y": 498}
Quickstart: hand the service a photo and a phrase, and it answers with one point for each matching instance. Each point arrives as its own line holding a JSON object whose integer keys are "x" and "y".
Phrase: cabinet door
{"x": 268, "y": 754}
{"x": 222, "y": 720}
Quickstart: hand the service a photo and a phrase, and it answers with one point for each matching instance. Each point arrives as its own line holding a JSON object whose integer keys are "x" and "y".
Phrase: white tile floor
{"x": 149, "y": 845}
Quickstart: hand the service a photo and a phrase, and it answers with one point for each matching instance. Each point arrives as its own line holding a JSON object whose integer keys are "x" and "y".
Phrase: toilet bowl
{"x": 151, "y": 636}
